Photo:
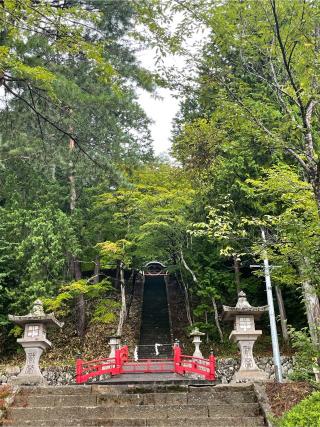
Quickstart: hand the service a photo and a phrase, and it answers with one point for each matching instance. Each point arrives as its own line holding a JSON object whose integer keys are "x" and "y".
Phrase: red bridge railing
{"x": 94, "y": 368}
{"x": 197, "y": 365}
{"x": 120, "y": 364}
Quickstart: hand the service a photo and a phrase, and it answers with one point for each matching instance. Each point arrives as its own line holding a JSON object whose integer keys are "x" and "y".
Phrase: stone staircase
{"x": 155, "y": 323}
{"x": 145, "y": 405}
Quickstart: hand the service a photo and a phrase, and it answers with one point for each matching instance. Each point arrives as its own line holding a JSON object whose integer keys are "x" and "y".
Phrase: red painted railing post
{"x": 117, "y": 367}
{"x": 212, "y": 368}
{"x": 79, "y": 371}
{"x": 125, "y": 353}
{"x": 178, "y": 369}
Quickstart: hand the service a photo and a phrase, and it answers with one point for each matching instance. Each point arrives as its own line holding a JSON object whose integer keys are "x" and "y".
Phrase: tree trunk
{"x": 96, "y": 270}
{"x": 117, "y": 280}
{"x": 216, "y": 318}
{"x": 283, "y": 316}
{"x": 236, "y": 266}
{"x": 311, "y": 301}
{"x": 79, "y": 301}
{"x": 72, "y": 177}
{"x": 123, "y": 310}
{"x": 188, "y": 268}
{"x": 312, "y": 310}
{"x": 186, "y": 298}
{"x": 206, "y": 320}
{"x": 133, "y": 285}
{"x": 185, "y": 287}
{"x": 75, "y": 265}
{"x": 316, "y": 191}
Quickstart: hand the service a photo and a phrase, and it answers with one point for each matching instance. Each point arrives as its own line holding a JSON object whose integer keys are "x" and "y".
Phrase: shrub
{"x": 307, "y": 355}
{"x": 304, "y": 414}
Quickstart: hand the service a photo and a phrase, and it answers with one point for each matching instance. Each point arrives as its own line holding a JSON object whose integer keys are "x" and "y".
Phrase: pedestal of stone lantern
{"x": 245, "y": 334}
{"x": 34, "y": 342}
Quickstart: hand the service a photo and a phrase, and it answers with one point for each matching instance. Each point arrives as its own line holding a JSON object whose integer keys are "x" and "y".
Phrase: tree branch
{"x": 54, "y": 125}
{"x": 285, "y": 59}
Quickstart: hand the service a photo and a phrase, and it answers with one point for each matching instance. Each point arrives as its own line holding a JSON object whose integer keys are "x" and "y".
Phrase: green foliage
{"x": 286, "y": 204}
{"x": 16, "y": 331}
{"x": 68, "y": 73}
{"x": 307, "y": 355}
{"x": 63, "y": 302}
{"x": 79, "y": 185}
{"x": 149, "y": 216}
{"x": 112, "y": 252}
{"x": 62, "y": 29}
{"x": 106, "y": 311}
{"x": 304, "y": 414}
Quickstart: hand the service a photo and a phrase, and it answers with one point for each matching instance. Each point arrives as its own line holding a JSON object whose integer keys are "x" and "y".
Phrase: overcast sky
{"x": 161, "y": 111}
{"x": 162, "y": 108}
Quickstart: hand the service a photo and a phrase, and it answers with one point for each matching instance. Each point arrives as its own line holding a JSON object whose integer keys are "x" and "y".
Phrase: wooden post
{"x": 79, "y": 371}
{"x": 177, "y": 358}
{"x": 212, "y": 368}
{"x": 117, "y": 368}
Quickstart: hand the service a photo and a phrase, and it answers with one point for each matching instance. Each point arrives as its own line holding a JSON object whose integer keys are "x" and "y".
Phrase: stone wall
{"x": 228, "y": 366}
{"x": 55, "y": 375}
{"x": 63, "y": 375}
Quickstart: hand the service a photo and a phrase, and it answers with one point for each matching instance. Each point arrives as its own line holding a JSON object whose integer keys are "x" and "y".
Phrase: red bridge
{"x": 121, "y": 364}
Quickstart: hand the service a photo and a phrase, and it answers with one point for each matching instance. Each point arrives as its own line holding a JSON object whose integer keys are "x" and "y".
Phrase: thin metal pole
{"x": 273, "y": 325}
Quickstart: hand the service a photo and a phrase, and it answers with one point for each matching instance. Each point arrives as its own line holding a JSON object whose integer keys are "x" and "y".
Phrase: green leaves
{"x": 106, "y": 311}
{"x": 149, "y": 216}
{"x": 63, "y": 302}
{"x": 304, "y": 414}
{"x": 64, "y": 29}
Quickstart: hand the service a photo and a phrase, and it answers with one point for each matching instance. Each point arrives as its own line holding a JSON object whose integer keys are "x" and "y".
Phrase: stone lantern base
{"x": 249, "y": 375}
{"x": 31, "y": 374}
{"x": 248, "y": 371}
{"x": 34, "y": 342}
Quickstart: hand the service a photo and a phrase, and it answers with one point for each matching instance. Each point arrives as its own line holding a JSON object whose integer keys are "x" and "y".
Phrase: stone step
{"x": 67, "y": 389}
{"x": 134, "y": 411}
{"x": 116, "y": 389}
{"x": 214, "y": 422}
{"x": 109, "y": 399}
{"x": 189, "y": 422}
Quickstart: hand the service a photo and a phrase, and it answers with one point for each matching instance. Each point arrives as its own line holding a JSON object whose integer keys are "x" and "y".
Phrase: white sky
{"x": 162, "y": 112}
{"x": 162, "y": 107}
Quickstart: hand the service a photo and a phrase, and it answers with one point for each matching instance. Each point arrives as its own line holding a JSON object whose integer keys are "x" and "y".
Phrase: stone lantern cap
{"x": 36, "y": 315}
{"x": 242, "y": 307}
{"x": 196, "y": 333}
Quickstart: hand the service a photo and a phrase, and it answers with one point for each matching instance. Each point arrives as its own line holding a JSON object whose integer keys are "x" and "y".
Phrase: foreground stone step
{"x": 128, "y": 405}
{"x": 109, "y": 399}
{"x": 203, "y": 422}
{"x": 187, "y": 422}
{"x": 133, "y": 389}
{"x": 134, "y": 412}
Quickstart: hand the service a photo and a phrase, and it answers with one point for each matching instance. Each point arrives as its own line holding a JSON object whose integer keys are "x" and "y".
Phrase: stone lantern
{"x": 245, "y": 334}
{"x": 196, "y": 334}
{"x": 34, "y": 341}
